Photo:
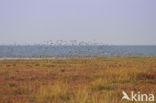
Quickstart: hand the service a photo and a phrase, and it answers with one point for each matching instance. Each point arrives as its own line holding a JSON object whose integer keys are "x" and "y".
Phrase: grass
{"x": 76, "y": 80}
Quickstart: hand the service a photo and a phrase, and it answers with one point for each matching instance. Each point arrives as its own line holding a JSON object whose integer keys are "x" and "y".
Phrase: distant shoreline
{"x": 38, "y": 58}
{"x": 67, "y": 57}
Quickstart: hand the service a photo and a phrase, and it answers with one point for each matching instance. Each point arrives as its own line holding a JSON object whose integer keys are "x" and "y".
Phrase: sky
{"x": 118, "y": 22}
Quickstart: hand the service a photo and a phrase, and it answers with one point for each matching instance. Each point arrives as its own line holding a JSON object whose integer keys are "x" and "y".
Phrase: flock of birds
{"x": 62, "y": 48}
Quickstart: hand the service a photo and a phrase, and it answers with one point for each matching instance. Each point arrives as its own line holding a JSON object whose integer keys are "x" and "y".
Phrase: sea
{"x": 52, "y": 51}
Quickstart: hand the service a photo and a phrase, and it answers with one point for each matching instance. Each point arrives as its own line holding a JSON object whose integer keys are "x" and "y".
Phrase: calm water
{"x": 65, "y": 51}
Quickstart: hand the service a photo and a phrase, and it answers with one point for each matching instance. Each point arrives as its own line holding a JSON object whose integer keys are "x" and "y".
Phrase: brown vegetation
{"x": 75, "y": 80}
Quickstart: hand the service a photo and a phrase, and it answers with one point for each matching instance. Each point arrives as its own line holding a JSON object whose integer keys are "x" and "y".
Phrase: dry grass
{"x": 94, "y": 80}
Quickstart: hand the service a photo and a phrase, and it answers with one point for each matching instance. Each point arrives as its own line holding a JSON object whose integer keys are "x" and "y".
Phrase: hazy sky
{"x": 131, "y": 22}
